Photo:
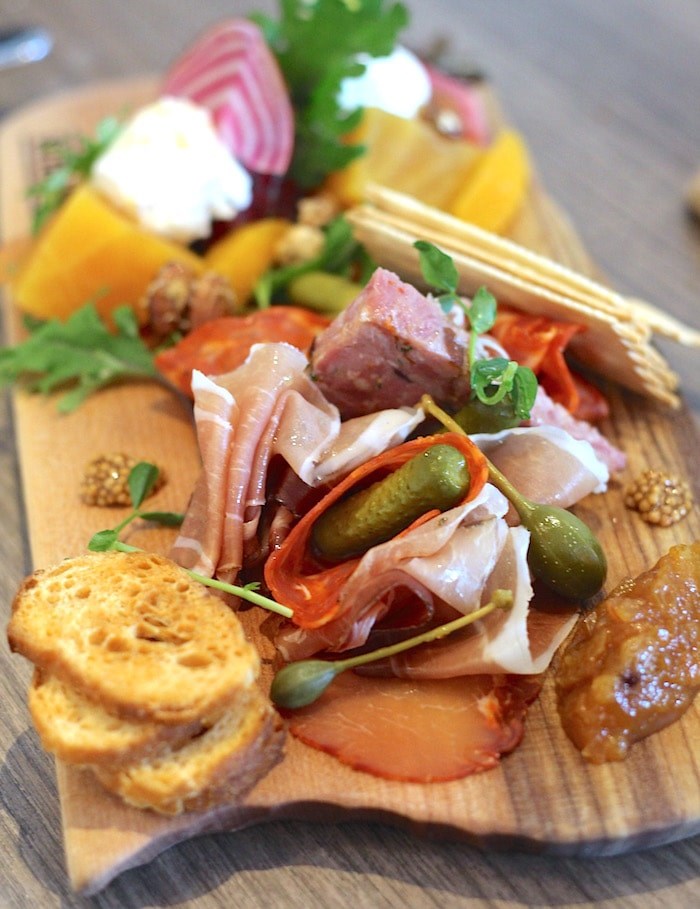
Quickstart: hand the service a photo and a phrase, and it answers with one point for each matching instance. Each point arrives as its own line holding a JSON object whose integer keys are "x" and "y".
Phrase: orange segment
{"x": 406, "y": 155}
{"x": 246, "y": 253}
{"x": 91, "y": 252}
{"x": 494, "y": 193}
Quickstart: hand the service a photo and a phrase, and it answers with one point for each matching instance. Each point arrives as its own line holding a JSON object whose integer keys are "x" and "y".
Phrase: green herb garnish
{"x": 340, "y": 251}
{"x": 81, "y": 353}
{"x": 316, "y": 43}
{"x": 76, "y": 157}
{"x": 142, "y": 478}
{"x": 495, "y": 380}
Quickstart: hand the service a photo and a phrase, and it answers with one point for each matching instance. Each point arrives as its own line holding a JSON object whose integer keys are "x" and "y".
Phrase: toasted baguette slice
{"x": 79, "y": 731}
{"x": 215, "y": 768}
{"x": 134, "y": 632}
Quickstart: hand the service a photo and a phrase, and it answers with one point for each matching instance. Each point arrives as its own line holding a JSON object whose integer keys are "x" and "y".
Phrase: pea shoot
{"x": 141, "y": 481}
{"x": 494, "y": 381}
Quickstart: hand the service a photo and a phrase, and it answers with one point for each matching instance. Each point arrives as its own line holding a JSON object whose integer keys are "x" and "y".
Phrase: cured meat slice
{"x": 520, "y": 640}
{"x": 547, "y": 412}
{"x": 422, "y": 733}
{"x": 259, "y": 390}
{"x": 342, "y": 607}
{"x": 221, "y": 345}
{"x": 315, "y": 591}
{"x": 546, "y": 464}
{"x": 390, "y": 346}
{"x": 268, "y": 406}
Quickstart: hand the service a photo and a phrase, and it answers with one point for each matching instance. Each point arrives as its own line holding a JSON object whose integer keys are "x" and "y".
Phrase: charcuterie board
{"x": 544, "y": 796}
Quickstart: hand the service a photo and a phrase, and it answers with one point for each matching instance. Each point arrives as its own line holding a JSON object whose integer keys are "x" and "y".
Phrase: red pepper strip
{"x": 539, "y": 342}
{"x": 592, "y": 403}
{"x": 300, "y": 580}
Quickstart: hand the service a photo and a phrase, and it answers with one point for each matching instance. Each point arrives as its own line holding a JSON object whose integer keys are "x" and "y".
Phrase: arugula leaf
{"x": 76, "y": 157}
{"x": 316, "y": 43}
{"x": 81, "y": 352}
{"x": 339, "y": 250}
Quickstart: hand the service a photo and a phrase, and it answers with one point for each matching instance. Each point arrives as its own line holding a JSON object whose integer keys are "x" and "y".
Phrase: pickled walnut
{"x": 633, "y": 665}
{"x": 177, "y": 300}
{"x": 659, "y": 498}
{"x": 105, "y": 480}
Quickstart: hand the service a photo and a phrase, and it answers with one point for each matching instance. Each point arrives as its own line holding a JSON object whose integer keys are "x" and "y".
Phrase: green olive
{"x": 563, "y": 552}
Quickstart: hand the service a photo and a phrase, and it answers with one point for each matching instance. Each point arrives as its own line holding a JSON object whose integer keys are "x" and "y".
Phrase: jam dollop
{"x": 633, "y": 664}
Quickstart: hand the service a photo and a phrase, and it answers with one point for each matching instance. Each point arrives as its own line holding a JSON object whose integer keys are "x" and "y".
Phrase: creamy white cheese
{"x": 398, "y": 84}
{"x": 171, "y": 172}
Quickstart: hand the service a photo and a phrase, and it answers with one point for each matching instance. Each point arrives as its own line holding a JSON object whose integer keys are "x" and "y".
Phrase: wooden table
{"x": 606, "y": 95}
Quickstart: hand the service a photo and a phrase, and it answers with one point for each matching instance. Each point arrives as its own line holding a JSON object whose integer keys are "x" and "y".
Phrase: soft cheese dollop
{"x": 398, "y": 84}
{"x": 169, "y": 169}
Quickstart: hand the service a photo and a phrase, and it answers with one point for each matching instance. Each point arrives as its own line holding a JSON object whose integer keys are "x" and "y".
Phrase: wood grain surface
{"x": 361, "y": 863}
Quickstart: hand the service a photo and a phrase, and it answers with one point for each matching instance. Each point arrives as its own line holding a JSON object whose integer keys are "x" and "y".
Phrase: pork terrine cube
{"x": 389, "y": 347}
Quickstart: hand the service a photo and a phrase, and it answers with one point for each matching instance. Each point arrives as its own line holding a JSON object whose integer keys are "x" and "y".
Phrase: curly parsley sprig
{"x": 492, "y": 380}
{"x": 141, "y": 481}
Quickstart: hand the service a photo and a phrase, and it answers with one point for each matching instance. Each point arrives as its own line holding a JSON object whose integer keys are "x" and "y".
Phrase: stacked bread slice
{"x": 144, "y": 676}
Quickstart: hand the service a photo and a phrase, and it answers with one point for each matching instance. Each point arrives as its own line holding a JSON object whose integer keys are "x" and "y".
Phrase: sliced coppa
{"x": 432, "y": 731}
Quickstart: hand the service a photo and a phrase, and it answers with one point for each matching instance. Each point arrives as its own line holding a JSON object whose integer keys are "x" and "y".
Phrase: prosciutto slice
{"x": 546, "y": 464}
{"x": 547, "y": 412}
{"x": 421, "y": 733}
{"x": 520, "y": 640}
{"x": 268, "y": 406}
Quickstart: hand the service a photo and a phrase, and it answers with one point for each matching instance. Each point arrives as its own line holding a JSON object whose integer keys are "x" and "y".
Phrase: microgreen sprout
{"x": 492, "y": 380}
{"x": 141, "y": 481}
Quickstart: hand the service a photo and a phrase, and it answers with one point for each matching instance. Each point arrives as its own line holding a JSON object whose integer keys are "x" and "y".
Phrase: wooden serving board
{"x": 543, "y": 796}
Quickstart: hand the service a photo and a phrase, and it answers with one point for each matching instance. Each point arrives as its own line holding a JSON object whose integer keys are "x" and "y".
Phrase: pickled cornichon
{"x": 437, "y": 478}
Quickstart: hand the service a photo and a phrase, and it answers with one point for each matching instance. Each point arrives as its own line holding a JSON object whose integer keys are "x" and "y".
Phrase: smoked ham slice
{"x": 426, "y": 732}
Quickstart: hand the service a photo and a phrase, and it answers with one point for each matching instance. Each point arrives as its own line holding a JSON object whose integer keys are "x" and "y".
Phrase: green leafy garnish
{"x": 340, "y": 250}
{"x": 316, "y": 43}
{"x": 141, "y": 481}
{"x": 81, "y": 353}
{"x": 75, "y": 158}
{"x": 493, "y": 380}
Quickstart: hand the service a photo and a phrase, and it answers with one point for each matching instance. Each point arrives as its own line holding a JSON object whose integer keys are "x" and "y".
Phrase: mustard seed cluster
{"x": 660, "y": 498}
{"x": 105, "y": 481}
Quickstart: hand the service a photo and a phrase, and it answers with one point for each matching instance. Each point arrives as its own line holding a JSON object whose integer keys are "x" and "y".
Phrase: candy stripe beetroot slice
{"x": 231, "y": 71}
